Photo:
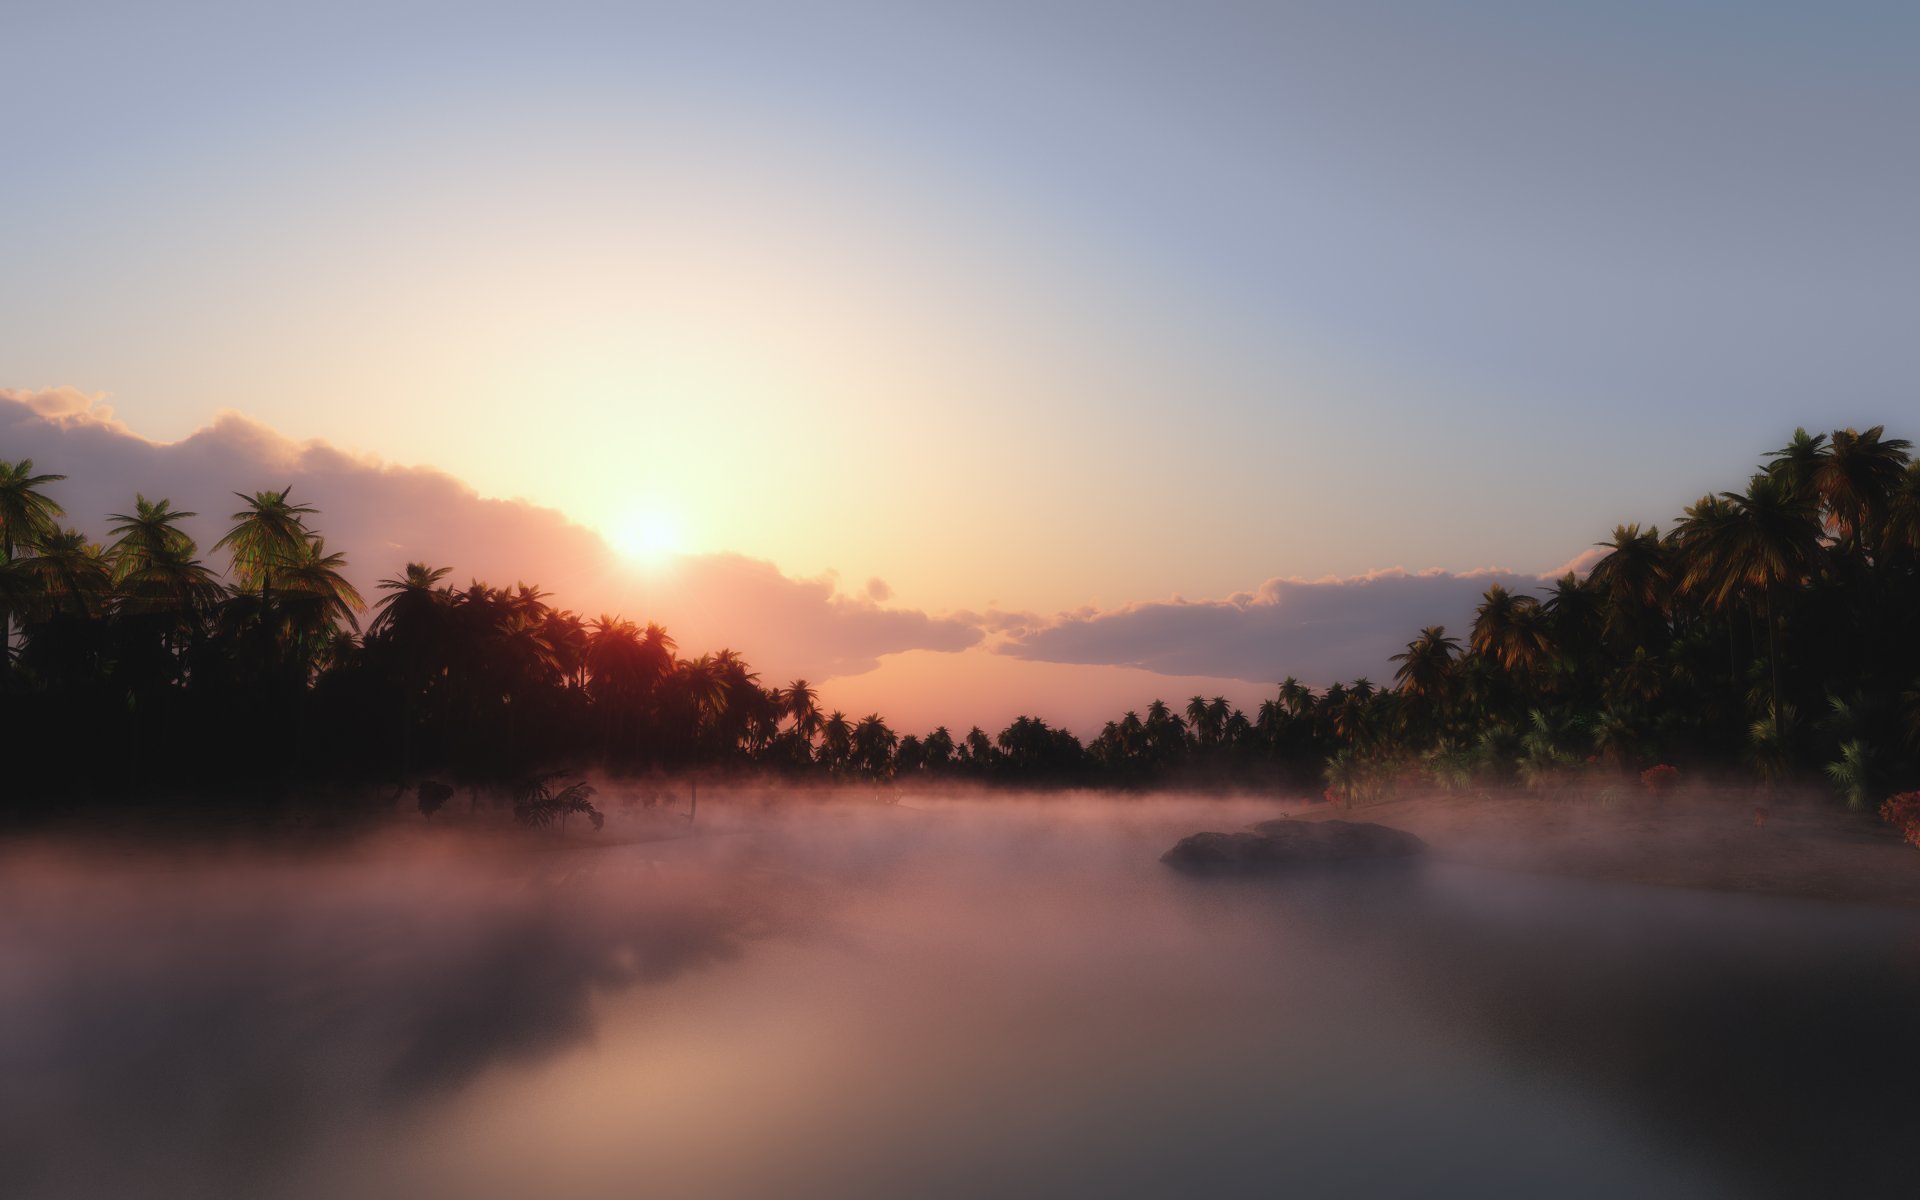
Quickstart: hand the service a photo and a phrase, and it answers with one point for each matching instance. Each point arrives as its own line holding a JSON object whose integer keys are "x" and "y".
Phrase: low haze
{"x": 1010, "y": 996}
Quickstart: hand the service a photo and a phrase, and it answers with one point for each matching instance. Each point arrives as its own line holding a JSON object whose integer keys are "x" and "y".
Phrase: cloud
{"x": 736, "y": 600}
{"x": 1319, "y": 630}
{"x": 1073, "y": 666}
{"x": 384, "y": 516}
{"x": 66, "y": 407}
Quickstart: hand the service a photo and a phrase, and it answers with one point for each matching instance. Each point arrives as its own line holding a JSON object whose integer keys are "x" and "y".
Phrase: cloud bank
{"x": 1076, "y": 665}
{"x": 384, "y": 516}
{"x": 1318, "y": 630}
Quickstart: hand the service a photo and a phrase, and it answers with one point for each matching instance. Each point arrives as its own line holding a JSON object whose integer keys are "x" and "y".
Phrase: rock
{"x": 1278, "y": 845}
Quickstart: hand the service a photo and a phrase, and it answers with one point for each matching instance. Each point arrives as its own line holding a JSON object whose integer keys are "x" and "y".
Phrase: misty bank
{"x": 1716, "y": 839}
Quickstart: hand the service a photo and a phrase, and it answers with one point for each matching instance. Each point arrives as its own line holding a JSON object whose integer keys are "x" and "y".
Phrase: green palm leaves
{"x": 27, "y": 518}
{"x": 154, "y": 569}
{"x": 268, "y": 536}
{"x": 27, "y": 513}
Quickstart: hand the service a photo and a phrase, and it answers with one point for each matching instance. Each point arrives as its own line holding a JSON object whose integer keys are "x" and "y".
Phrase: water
{"x": 1006, "y": 999}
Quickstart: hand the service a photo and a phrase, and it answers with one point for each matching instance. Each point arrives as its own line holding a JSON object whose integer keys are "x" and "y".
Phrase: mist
{"x": 949, "y": 995}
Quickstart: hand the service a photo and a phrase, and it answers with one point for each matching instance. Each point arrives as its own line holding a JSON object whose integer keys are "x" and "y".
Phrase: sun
{"x": 648, "y": 536}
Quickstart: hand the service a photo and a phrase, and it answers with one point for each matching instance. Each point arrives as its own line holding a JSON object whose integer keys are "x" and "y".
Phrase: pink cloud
{"x": 384, "y": 516}
{"x": 1318, "y": 630}
{"x": 1082, "y": 662}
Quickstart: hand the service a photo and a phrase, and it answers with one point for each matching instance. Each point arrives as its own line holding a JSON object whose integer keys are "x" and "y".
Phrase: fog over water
{"x": 1003, "y": 997}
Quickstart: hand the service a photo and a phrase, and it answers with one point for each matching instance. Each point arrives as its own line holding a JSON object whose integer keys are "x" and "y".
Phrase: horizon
{"x": 1077, "y": 669}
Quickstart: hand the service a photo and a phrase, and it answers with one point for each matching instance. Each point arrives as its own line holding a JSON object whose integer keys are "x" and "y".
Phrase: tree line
{"x": 1769, "y": 631}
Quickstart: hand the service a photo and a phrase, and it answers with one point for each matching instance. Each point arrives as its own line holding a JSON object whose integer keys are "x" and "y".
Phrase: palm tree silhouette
{"x": 1856, "y": 479}
{"x": 873, "y": 745}
{"x": 415, "y": 604}
{"x": 836, "y": 741}
{"x": 74, "y": 577}
{"x": 1797, "y": 464}
{"x": 1508, "y": 630}
{"x": 1901, "y": 532}
{"x": 1633, "y": 577}
{"x": 1426, "y": 666}
{"x": 27, "y": 516}
{"x": 800, "y": 702}
{"x": 1770, "y": 537}
{"x": 937, "y": 748}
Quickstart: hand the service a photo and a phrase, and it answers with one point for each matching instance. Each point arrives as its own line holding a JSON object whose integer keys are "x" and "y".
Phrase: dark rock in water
{"x": 1277, "y": 845}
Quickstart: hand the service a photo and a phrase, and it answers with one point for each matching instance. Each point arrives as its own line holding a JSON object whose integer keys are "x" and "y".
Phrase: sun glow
{"x": 649, "y": 536}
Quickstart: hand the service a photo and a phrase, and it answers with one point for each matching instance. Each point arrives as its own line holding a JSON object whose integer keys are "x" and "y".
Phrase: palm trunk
{"x": 1773, "y": 662}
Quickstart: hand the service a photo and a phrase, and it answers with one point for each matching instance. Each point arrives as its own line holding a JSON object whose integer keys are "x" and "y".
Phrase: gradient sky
{"x": 1031, "y": 306}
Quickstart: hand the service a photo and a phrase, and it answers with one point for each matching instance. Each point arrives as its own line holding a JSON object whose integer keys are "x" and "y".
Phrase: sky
{"x": 1019, "y": 319}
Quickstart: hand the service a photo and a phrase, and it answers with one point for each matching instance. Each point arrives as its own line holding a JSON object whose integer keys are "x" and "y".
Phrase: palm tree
{"x": 1508, "y": 630}
{"x": 149, "y": 534}
{"x": 801, "y": 702}
{"x": 416, "y": 602}
{"x": 625, "y": 665}
{"x": 315, "y": 592}
{"x": 1633, "y": 576}
{"x": 267, "y": 537}
{"x": 873, "y": 746}
{"x": 154, "y": 570}
{"x": 1856, "y": 479}
{"x": 1236, "y": 730}
{"x": 1219, "y": 712}
{"x": 1426, "y": 667}
{"x": 836, "y": 741}
{"x": 27, "y": 516}
{"x": 73, "y": 575}
{"x": 745, "y": 713}
{"x": 936, "y": 749}
{"x": 1575, "y": 618}
{"x": 1901, "y": 531}
{"x": 1798, "y": 463}
{"x": 1352, "y": 716}
{"x": 1166, "y": 733}
{"x": 567, "y": 634}
{"x": 1771, "y": 537}
{"x": 699, "y": 687}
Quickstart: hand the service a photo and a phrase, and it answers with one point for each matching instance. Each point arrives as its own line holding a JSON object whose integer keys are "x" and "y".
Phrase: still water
{"x": 1000, "y": 998}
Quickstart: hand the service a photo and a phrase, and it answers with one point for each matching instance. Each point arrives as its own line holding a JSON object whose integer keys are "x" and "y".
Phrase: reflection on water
{"x": 1003, "y": 999}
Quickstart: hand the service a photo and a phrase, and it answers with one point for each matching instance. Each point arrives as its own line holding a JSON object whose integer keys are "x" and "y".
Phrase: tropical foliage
{"x": 1771, "y": 631}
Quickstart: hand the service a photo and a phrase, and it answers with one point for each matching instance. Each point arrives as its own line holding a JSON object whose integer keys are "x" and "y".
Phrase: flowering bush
{"x": 1660, "y": 777}
{"x": 1903, "y": 813}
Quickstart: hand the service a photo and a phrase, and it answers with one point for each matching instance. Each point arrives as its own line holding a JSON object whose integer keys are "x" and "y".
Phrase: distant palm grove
{"x": 1771, "y": 633}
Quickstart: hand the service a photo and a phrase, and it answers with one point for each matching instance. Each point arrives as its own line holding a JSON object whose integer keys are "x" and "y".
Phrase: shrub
{"x": 432, "y": 795}
{"x": 1660, "y": 777}
{"x": 539, "y": 804}
{"x": 1903, "y": 813}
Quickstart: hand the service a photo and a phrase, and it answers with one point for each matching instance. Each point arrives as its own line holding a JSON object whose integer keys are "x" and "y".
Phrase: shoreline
{"x": 1704, "y": 839}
